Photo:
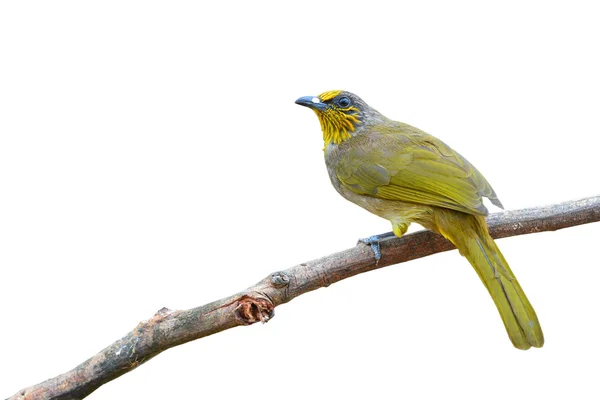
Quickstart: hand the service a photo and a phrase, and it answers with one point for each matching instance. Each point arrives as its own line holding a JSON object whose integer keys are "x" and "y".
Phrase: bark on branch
{"x": 169, "y": 328}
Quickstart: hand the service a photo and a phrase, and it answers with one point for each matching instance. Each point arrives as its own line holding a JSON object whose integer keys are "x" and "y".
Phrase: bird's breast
{"x": 395, "y": 211}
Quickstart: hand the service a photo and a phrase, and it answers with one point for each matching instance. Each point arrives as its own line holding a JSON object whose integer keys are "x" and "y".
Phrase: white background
{"x": 151, "y": 155}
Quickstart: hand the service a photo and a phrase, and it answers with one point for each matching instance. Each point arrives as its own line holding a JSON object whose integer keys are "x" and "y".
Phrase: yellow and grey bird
{"x": 405, "y": 175}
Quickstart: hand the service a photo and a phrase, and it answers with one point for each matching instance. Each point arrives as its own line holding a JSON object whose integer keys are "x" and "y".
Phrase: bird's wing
{"x": 416, "y": 169}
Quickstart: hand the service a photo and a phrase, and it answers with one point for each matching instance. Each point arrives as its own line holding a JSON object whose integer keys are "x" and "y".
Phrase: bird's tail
{"x": 470, "y": 235}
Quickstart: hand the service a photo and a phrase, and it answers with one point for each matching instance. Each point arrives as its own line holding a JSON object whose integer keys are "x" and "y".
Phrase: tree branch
{"x": 168, "y": 328}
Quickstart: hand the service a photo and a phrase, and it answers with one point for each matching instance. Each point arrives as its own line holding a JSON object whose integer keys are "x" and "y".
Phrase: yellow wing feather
{"x": 408, "y": 165}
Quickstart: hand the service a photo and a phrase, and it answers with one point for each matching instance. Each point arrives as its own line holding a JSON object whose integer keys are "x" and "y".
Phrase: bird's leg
{"x": 399, "y": 229}
{"x": 373, "y": 241}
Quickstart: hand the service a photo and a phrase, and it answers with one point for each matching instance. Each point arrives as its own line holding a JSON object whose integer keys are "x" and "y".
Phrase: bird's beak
{"x": 311, "y": 102}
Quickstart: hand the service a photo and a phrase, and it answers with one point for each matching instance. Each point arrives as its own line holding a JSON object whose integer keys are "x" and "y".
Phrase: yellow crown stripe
{"x": 329, "y": 95}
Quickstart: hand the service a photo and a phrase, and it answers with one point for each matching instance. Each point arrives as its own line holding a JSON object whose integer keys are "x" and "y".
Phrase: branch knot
{"x": 280, "y": 279}
{"x": 250, "y": 310}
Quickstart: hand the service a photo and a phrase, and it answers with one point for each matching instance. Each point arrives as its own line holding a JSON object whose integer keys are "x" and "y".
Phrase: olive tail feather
{"x": 472, "y": 239}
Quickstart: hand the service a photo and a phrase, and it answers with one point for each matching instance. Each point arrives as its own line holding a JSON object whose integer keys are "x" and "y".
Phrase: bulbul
{"x": 405, "y": 175}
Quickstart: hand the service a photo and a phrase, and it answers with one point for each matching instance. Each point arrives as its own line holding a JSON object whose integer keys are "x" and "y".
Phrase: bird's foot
{"x": 373, "y": 241}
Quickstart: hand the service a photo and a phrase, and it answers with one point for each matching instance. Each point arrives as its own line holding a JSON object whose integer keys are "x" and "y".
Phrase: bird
{"x": 405, "y": 175}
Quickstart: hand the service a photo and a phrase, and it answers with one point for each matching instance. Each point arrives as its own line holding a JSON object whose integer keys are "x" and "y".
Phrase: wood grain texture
{"x": 169, "y": 328}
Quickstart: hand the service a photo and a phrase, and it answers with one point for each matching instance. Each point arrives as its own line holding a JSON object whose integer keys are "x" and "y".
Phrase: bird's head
{"x": 340, "y": 113}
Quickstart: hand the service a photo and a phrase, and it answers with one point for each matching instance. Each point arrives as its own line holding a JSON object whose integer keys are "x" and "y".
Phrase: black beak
{"x": 311, "y": 102}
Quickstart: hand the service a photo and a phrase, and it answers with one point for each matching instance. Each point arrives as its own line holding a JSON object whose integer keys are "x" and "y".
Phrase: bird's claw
{"x": 373, "y": 241}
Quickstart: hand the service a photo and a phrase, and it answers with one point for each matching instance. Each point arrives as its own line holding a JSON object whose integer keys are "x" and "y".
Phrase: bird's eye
{"x": 344, "y": 102}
